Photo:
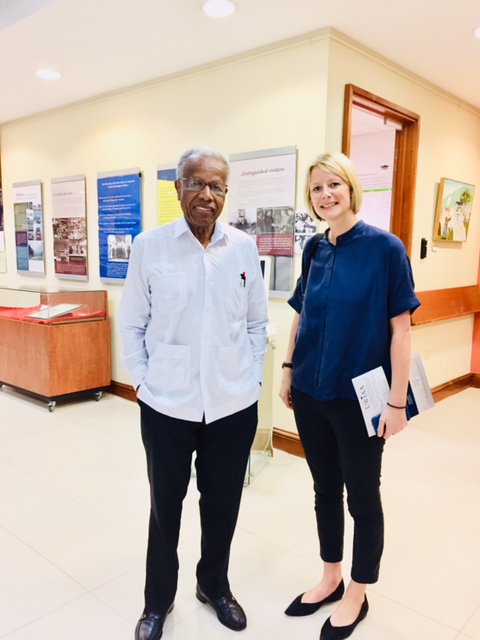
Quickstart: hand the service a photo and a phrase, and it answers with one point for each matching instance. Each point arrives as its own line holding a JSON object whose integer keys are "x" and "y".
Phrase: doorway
{"x": 382, "y": 139}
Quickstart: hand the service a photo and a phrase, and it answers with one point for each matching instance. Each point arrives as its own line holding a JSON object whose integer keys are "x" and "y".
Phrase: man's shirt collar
{"x": 183, "y": 227}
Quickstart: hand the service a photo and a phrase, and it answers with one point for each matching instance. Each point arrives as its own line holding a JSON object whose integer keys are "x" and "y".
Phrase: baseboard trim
{"x": 454, "y": 386}
{"x": 475, "y": 380}
{"x": 289, "y": 441}
{"x": 123, "y": 390}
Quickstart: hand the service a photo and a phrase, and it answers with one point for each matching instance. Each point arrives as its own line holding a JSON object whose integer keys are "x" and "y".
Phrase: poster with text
{"x": 261, "y": 203}
{"x": 2, "y": 237}
{"x": 169, "y": 208}
{"x": 119, "y": 221}
{"x": 28, "y": 218}
{"x": 69, "y": 223}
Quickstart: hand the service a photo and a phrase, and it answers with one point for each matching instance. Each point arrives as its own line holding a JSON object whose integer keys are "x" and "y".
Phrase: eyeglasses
{"x": 197, "y": 184}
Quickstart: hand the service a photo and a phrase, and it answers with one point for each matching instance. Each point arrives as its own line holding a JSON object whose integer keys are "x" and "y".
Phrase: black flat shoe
{"x": 339, "y": 633}
{"x": 299, "y": 608}
{"x": 228, "y": 611}
{"x": 150, "y": 625}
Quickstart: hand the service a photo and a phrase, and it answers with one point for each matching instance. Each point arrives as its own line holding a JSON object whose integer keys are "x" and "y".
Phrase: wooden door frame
{"x": 406, "y": 152}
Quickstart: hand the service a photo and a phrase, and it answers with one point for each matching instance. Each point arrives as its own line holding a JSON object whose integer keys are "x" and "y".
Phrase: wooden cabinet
{"x": 56, "y": 356}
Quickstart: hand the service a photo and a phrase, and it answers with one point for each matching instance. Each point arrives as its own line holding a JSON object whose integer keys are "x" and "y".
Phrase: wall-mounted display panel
{"x": 29, "y": 238}
{"x": 261, "y": 203}
{"x": 119, "y": 220}
{"x": 69, "y": 221}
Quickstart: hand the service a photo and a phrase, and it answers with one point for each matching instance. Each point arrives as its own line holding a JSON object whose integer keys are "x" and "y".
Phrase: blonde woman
{"x": 352, "y": 314}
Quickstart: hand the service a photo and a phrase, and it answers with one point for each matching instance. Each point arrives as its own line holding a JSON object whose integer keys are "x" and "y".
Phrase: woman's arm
{"x": 286, "y": 382}
{"x": 393, "y": 420}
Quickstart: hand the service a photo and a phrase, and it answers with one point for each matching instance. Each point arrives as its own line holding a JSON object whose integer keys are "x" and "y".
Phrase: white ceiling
{"x": 103, "y": 45}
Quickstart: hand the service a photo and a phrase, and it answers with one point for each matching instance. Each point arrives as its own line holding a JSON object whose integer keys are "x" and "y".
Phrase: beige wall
{"x": 290, "y": 95}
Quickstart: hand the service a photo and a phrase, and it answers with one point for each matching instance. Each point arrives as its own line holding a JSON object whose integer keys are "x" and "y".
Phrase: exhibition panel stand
{"x": 262, "y": 447}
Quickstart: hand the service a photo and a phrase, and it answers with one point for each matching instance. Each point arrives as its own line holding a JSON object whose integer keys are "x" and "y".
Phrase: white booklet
{"x": 373, "y": 392}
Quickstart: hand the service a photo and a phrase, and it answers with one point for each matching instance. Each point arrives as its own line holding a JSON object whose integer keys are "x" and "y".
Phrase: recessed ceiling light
{"x": 219, "y": 8}
{"x": 47, "y": 74}
{"x": 476, "y": 32}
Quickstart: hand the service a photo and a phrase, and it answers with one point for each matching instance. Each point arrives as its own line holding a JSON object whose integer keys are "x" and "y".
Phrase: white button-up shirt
{"x": 193, "y": 320}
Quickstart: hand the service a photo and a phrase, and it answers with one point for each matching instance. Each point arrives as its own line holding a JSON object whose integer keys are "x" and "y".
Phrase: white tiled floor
{"x": 73, "y": 513}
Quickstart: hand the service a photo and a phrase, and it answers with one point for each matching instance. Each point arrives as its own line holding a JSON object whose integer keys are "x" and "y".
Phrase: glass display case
{"x": 54, "y": 343}
{"x": 44, "y": 306}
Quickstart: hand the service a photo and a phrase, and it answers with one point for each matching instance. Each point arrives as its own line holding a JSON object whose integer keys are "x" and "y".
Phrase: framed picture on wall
{"x": 453, "y": 211}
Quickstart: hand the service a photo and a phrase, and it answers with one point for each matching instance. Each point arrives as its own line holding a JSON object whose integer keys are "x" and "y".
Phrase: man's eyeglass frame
{"x": 213, "y": 186}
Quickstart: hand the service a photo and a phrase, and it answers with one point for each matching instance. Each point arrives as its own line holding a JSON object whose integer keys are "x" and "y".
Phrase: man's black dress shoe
{"x": 150, "y": 625}
{"x": 339, "y": 633}
{"x": 228, "y": 611}
{"x": 299, "y": 608}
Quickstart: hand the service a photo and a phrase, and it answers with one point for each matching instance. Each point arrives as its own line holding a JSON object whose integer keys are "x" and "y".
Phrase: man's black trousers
{"x": 222, "y": 450}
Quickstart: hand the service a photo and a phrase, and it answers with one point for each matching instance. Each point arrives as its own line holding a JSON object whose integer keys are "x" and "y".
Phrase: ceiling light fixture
{"x": 219, "y": 8}
{"x": 476, "y": 32}
{"x": 47, "y": 74}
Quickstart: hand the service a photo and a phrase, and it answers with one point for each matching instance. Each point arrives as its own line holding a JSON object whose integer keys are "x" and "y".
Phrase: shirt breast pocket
{"x": 169, "y": 292}
{"x": 237, "y": 298}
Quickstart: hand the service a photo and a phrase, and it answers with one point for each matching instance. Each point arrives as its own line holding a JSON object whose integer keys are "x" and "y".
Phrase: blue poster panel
{"x": 119, "y": 221}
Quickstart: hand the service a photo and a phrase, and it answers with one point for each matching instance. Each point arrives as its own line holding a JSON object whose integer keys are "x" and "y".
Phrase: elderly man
{"x": 193, "y": 318}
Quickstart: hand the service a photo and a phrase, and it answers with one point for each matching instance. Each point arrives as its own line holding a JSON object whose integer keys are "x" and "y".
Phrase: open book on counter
{"x": 45, "y": 313}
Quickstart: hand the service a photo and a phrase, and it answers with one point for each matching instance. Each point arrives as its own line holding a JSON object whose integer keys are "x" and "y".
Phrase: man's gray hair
{"x": 196, "y": 154}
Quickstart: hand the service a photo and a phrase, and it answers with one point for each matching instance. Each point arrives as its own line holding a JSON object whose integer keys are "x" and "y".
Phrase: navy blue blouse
{"x": 352, "y": 291}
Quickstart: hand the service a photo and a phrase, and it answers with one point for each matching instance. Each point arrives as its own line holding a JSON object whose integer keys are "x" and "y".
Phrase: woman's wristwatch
{"x": 287, "y": 365}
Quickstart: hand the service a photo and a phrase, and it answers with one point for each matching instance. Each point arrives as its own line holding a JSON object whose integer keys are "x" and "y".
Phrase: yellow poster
{"x": 168, "y": 205}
